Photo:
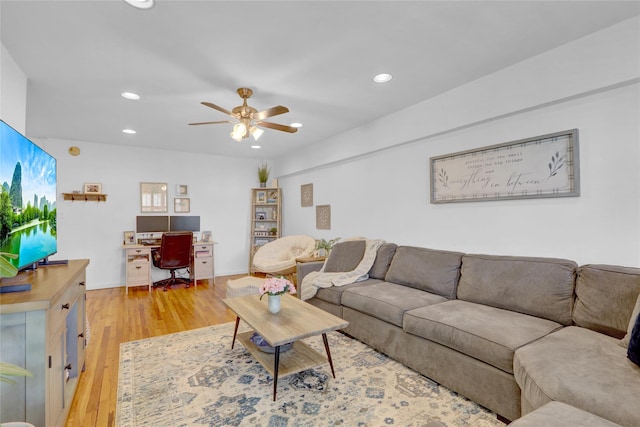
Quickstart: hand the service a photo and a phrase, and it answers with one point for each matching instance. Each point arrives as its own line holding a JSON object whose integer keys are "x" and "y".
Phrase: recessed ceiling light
{"x": 382, "y": 78}
{"x": 296, "y": 125}
{"x": 129, "y": 131}
{"x": 130, "y": 95}
{"x": 256, "y": 147}
{"x": 141, "y": 4}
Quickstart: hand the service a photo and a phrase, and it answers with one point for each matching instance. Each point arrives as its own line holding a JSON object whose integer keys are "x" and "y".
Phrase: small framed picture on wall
{"x": 182, "y": 204}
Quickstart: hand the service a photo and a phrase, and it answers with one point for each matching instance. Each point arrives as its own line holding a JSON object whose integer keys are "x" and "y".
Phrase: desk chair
{"x": 174, "y": 254}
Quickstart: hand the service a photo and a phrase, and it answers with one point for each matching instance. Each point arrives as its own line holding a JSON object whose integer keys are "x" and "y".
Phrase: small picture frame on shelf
{"x": 182, "y": 205}
{"x": 261, "y": 216}
{"x": 92, "y": 188}
{"x": 261, "y": 196}
{"x": 206, "y": 236}
{"x": 272, "y": 196}
{"x": 182, "y": 190}
{"x": 129, "y": 238}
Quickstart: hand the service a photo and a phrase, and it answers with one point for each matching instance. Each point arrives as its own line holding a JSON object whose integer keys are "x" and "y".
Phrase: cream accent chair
{"x": 278, "y": 258}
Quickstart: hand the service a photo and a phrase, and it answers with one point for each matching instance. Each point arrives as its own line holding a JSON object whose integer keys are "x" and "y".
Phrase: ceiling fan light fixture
{"x": 239, "y": 131}
{"x": 256, "y": 132}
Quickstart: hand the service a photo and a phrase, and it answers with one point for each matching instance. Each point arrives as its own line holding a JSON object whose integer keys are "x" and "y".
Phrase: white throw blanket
{"x": 319, "y": 279}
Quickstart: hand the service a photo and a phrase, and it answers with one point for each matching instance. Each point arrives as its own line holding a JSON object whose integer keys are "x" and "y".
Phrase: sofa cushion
{"x": 582, "y": 368}
{"x": 541, "y": 287}
{"x": 624, "y": 342}
{"x": 383, "y": 260}
{"x": 333, "y": 294}
{"x": 633, "y": 352}
{"x": 605, "y": 298}
{"x": 558, "y": 414}
{"x": 345, "y": 256}
{"x": 387, "y": 301}
{"x": 426, "y": 269}
{"x": 486, "y": 333}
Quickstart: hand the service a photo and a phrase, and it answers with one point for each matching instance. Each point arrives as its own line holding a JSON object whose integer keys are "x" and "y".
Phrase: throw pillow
{"x": 383, "y": 261}
{"x": 633, "y": 352}
{"x": 345, "y": 256}
{"x": 624, "y": 342}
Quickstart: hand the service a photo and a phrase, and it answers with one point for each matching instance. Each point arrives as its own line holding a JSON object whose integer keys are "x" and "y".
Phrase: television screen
{"x": 28, "y": 199}
{"x": 185, "y": 223}
{"x": 152, "y": 224}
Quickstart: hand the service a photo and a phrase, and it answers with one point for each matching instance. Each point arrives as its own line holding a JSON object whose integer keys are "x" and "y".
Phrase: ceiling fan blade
{"x": 270, "y": 112}
{"x": 216, "y": 107}
{"x": 211, "y": 123}
{"x": 276, "y": 126}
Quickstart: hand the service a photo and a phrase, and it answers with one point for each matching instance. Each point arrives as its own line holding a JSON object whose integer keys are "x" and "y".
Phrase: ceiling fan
{"x": 248, "y": 119}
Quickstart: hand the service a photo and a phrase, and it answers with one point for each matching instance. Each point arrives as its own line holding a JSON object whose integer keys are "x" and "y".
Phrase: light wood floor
{"x": 115, "y": 318}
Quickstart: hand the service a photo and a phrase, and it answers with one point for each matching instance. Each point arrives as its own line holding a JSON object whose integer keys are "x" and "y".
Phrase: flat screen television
{"x": 28, "y": 228}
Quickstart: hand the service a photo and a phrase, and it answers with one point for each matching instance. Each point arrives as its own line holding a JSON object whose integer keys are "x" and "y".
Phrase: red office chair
{"x": 174, "y": 254}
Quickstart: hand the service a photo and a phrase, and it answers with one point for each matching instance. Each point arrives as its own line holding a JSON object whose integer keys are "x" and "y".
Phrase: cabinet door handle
{"x": 68, "y": 367}
{"x": 80, "y": 335}
{"x": 65, "y": 306}
{"x": 138, "y": 267}
{"x": 82, "y": 284}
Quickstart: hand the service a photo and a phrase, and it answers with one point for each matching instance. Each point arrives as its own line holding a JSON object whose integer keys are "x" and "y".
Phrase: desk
{"x": 138, "y": 264}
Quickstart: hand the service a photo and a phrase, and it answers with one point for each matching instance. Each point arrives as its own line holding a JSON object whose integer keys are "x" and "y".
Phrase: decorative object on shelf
{"x": 543, "y": 166}
{"x": 129, "y": 237}
{"x": 206, "y": 236}
{"x": 272, "y": 196}
{"x": 153, "y": 197}
{"x": 323, "y": 217}
{"x": 182, "y": 205}
{"x": 182, "y": 190}
{"x": 264, "y": 346}
{"x": 261, "y": 197}
{"x": 325, "y": 246}
{"x": 274, "y": 288}
{"x": 261, "y": 215}
{"x": 92, "y": 188}
{"x": 263, "y": 174}
{"x": 306, "y": 195}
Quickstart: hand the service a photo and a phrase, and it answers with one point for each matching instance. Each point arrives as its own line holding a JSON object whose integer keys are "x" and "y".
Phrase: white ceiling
{"x": 315, "y": 57}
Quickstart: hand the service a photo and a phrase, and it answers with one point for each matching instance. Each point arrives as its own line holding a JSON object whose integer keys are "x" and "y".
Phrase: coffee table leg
{"x": 326, "y": 347}
{"x": 235, "y": 332}
{"x": 275, "y": 371}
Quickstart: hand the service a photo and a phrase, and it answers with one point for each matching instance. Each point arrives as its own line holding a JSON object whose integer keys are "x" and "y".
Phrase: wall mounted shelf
{"x": 85, "y": 197}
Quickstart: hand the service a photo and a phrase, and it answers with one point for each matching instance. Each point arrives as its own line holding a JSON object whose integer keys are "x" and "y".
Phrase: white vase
{"x": 274, "y": 303}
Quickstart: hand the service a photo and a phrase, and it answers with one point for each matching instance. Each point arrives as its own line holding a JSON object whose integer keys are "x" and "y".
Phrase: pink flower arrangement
{"x": 276, "y": 286}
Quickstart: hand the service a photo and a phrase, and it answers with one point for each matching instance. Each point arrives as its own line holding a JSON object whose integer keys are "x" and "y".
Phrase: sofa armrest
{"x": 304, "y": 268}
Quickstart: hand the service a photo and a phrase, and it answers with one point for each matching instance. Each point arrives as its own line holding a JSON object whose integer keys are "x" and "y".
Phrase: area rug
{"x": 193, "y": 378}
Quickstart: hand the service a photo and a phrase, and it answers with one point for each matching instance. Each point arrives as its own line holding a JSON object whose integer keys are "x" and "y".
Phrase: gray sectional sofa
{"x": 510, "y": 333}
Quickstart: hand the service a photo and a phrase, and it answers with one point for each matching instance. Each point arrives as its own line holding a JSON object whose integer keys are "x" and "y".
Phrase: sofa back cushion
{"x": 426, "y": 269}
{"x": 345, "y": 256}
{"x": 541, "y": 287}
{"x": 383, "y": 261}
{"x": 605, "y": 298}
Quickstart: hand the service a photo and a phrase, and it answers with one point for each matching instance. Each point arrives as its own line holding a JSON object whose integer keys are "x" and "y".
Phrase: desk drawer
{"x": 203, "y": 268}
{"x": 137, "y": 272}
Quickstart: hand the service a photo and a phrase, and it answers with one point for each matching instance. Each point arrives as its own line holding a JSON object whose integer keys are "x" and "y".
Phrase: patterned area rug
{"x": 193, "y": 378}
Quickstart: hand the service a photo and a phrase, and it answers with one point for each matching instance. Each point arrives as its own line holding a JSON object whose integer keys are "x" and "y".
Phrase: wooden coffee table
{"x": 295, "y": 321}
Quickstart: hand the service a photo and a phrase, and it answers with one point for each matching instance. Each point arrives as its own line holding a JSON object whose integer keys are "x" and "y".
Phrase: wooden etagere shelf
{"x": 85, "y": 197}
{"x": 265, "y": 219}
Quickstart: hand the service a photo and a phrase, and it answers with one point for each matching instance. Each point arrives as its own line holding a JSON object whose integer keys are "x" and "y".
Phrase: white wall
{"x": 377, "y": 180}
{"x": 13, "y": 91}
{"x": 218, "y": 191}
